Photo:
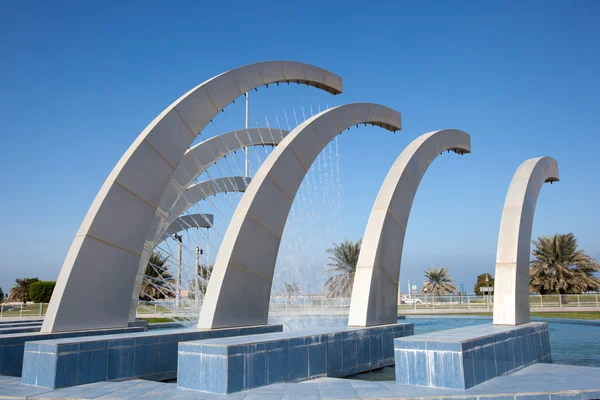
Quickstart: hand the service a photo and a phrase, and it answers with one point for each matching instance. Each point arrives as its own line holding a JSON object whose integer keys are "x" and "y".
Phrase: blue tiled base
{"x": 20, "y": 329}
{"x": 235, "y": 364}
{"x": 12, "y": 324}
{"x": 149, "y": 355}
{"x": 15, "y": 322}
{"x": 464, "y": 357}
{"x": 12, "y": 345}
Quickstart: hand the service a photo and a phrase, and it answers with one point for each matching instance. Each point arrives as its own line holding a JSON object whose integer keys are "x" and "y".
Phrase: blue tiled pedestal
{"x": 13, "y": 344}
{"x": 20, "y": 329}
{"x": 465, "y": 357}
{"x": 149, "y": 355}
{"x": 234, "y": 364}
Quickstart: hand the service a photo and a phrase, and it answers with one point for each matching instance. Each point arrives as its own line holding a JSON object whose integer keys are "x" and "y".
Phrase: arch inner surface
{"x": 511, "y": 283}
{"x": 111, "y": 238}
{"x": 375, "y": 291}
{"x": 240, "y": 285}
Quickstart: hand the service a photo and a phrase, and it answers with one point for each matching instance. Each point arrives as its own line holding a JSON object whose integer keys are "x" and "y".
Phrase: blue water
{"x": 573, "y": 344}
{"x": 570, "y": 343}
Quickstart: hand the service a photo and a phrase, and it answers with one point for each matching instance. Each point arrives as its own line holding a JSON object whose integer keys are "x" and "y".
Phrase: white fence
{"x": 320, "y": 304}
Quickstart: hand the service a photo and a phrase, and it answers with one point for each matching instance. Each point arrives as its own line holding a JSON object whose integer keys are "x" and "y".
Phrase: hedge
{"x": 41, "y": 291}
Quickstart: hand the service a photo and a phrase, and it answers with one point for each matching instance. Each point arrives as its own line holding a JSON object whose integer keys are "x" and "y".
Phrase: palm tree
{"x": 205, "y": 271}
{"x": 559, "y": 267}
{"x": 20, "y": 292}
{"x": 439, "y": 282}
{"x": 158, "y": 280}
{"x": 290, "y": 289}
{"x": 343, "y": 262}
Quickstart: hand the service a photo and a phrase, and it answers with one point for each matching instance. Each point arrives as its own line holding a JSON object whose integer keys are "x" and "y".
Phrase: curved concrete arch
{"x": 200, "y": 157}
{"x": 375, "y": 291}
{"x": 511, "y": 283}
{"x": 240, "y": 285}
{"x": 111, "y": 238}
{"x": 189, "y": 221}
{"x": 200, "y": 191}
{"x": 195, "y": 161}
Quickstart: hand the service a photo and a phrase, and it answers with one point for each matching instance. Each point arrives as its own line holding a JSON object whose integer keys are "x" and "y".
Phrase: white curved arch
{"x": 200, "y": 191}
{"x": 375, "y": 291}
{"x": 195, "y": 161}
{"x": 188, "y": 221}
{"x": 240, "y": 285}
{"x": 511, "y": 283}
{"x": 111, "y": 238}
{"x": 200, "y": 157}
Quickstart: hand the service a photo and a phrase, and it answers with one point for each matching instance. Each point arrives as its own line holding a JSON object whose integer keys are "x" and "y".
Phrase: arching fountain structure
{"x": 142, "y": 200}
{"x": 483, "y": 352}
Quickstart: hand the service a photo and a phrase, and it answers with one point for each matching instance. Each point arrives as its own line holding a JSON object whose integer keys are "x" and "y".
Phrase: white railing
{"x": 486, "y": 302}
{"x": 20, "y": 310}
{"x": 321, "y": 304}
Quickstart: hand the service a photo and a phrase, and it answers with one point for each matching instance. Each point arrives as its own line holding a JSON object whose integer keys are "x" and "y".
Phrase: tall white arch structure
{"x": 240, "y": 285}
{"x": 111, "y": 238}
{"x": 375, "y": 291}
{"x": 511, "y": 283}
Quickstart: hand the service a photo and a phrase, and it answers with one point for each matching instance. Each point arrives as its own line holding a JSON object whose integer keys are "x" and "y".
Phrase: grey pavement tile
{"x": 300, "y": 396}
{"x": 339, "y": 394}
{"x": 263, "y": 396}
{"x": 122, "y": 394}
{"x": 376, "y": 394}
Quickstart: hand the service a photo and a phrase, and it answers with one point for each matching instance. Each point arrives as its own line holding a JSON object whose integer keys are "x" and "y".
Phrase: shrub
{"x": 41, "y": 291}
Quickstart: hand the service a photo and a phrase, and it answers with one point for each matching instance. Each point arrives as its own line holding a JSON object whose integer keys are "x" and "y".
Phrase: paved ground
{"x": 538, "y": 382}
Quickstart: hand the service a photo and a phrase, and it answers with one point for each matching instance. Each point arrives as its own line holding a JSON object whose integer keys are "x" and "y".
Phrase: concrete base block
{"x": 12, "y": 345}
{"x": 235, "y": 364}
{"x": 464, "y": 357}
{"x": 149, "y": 355}
{"x": 20, "y": 329}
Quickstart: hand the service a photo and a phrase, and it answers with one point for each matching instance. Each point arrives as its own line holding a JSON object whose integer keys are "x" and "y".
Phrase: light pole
{"x": 246, "y": 148}
{"x": 197, "y": 279}
{"x": 178, "y": 238}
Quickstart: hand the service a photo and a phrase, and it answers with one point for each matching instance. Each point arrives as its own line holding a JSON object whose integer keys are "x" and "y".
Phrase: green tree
{"x": 290, "y": 289}
{"x": 1, "y": 295}
{"x": 20, "y": 292}
{"x": 158, "y": 280}
{"x": 439, "y": 282}
{"x": 343, "y": 260}
{"x": 41, "y": 291}
{"x": 560, "y": 267}
{"x": 481, "y": 282}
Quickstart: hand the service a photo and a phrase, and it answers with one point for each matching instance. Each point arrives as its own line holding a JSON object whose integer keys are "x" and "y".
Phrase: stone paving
{"x": 537, "y": 382}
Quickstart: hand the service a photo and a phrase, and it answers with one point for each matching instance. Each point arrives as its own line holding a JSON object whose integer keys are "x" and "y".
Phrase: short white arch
{"x": 375, "y": 291}
{"x": 198, "y": 159}
{"x": 200, "y": 191}
{"x": 111, "y": 238}
{"x": 195, "y": 161}
{"x": 188, "y": 221}
{"x": 240, "y": 285}
{"x": 511, "y": 283}
{"x": 193, "y": 195}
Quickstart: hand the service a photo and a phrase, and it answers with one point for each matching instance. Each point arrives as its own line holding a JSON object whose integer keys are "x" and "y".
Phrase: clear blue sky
{"x": 80, "y": 80}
